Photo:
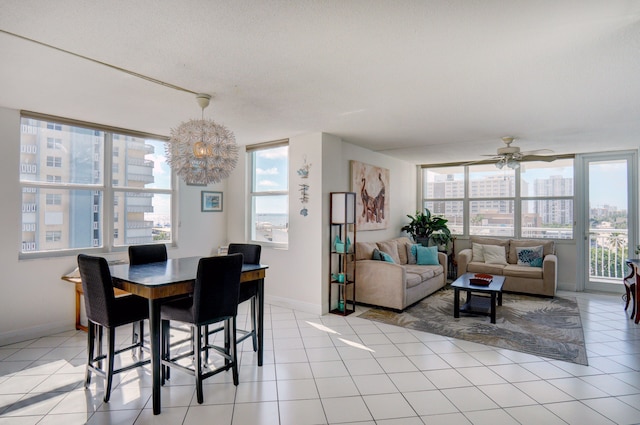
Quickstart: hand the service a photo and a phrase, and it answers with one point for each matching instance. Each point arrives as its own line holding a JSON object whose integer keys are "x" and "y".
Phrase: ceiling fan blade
{"x": 535, "y": 152}
{"x": 549, "y": 158}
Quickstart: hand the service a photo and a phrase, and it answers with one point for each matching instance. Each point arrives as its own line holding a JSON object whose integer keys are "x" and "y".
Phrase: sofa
{"x": 398, "y": 284}
{"x": 528, "y": 265}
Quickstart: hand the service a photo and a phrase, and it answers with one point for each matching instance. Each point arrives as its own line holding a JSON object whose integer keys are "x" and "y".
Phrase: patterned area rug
{"x": 540, "y": 326}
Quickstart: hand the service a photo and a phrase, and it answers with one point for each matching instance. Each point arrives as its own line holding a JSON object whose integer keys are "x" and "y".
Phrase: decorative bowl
{"x": 479, "y": 282}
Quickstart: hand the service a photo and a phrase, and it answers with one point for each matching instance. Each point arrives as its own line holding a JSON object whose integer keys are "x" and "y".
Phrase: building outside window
{"x": 483, "y": 200}
{"x": 269, "y": 195}
{"x": 85, "y": 193}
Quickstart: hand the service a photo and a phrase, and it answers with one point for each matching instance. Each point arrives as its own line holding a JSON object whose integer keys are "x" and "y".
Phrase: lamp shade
{"x": 343, "y": 207}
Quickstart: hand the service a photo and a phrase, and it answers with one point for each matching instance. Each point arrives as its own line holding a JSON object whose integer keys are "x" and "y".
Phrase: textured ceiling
{"x": 424, "y": 81}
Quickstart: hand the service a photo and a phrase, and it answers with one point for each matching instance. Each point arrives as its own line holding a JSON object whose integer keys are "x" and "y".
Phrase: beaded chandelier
{"x": 202, "y": 151}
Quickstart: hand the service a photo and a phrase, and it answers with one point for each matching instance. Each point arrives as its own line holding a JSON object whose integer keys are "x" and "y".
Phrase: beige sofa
{"x": 395, "y": 285}
{"x": 518, "y": 278}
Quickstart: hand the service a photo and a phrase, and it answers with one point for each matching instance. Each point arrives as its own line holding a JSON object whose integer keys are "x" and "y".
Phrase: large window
{"x": 533, "y": 201}
{"x": 269, "y": 193}
{"x": 75, "y": 206}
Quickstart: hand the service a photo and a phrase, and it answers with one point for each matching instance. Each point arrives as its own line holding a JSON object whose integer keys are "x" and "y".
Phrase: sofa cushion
{"x": 413, "y": 279}
{"x": 476, "y": 267}
{"x": 523, "y": 271}
{"x": 425, "y": 272}
{"x": 529, "y": 256}
{"x": 427, "y": 255}
{"x": 391, "y": 248}
{"x": 489, "y": 241}
{"x": 403, "y": 243}
{"x": 494, "y": 254}
{"x": 548, "y": 247}
{"x": 364, "y": 250}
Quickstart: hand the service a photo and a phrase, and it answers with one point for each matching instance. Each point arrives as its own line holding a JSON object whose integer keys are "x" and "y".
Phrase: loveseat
{"x": 528, "y": 265}
{"x": 396, "y": 284}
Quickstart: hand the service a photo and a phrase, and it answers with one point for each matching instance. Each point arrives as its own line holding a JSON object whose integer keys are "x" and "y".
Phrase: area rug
{"x": 546, "y": 327}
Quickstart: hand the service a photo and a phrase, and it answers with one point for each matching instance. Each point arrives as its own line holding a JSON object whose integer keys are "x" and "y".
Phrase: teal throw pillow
{"x": 427, "y": 255}
{"x": 381, "y": 256}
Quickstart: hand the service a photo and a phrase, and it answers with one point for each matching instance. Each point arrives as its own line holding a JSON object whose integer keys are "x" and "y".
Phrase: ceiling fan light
{"x": 513, "y": 164}
{"x": 500, "y": 164}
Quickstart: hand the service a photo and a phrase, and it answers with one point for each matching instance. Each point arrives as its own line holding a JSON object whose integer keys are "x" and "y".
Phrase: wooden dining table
{"x": 163, "y": 280}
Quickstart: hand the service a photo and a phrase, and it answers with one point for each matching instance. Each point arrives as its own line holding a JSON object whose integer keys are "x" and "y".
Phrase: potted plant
{"x": 428, "y": 229}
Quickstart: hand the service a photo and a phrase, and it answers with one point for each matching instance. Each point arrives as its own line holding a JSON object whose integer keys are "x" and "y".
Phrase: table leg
{"x": 154, "y": 335}
{"x": 500, "y": 298}
{"x": 456, "y": 302}
{"x": 493, "y": 307}
{"x": 260, "y": 321}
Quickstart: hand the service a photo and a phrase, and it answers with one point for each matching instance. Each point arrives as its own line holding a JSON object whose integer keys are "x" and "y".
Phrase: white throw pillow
{"x": 477, "y": 252}
{"x": 494, "y": 254}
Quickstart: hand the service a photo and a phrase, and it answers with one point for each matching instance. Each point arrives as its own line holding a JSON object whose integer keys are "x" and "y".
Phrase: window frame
{"x": 106, "y": 188}
{"x": 253, "y": 194}
{"x": 518, "y": 199}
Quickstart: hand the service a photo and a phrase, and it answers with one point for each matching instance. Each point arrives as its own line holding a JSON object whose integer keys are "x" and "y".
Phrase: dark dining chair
{"x": 630, "y": 290}
{"x": 214, "y": 300}
{"x": 248, "y": 291}
{"x": 106, "y": 311}
{"x": 144, "y": 254}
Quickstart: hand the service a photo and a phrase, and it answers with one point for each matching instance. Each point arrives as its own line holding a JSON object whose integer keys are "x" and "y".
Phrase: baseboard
{"x": 293, "y": 304}
{"x": 34, "y": 332}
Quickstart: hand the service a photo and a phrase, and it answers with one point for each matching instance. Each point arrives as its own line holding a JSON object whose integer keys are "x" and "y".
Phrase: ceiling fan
{"x": 511, "y": 155}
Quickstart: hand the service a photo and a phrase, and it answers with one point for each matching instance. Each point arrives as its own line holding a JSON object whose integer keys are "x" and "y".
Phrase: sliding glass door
{"x": 609, "y": 219}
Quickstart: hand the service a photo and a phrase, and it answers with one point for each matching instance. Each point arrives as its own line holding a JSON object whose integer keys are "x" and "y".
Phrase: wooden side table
{"x": 79, "y": 293}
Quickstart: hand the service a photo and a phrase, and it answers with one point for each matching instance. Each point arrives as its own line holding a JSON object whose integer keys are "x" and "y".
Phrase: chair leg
{"x": 627, "y": 296}
{"x": 111, "y": 337}
{"x": 632, "y": 290}
{"x": 206, "y": 344}
{"x": 141, "y": 340}
{"x": 100, "y": 331}
{"x": 233, "y": 349}
{"x": 197, "y": 354}
{"x": 227, "y": 339}
{"x": 91, "y": 343}
{"x": 254, "y": 327}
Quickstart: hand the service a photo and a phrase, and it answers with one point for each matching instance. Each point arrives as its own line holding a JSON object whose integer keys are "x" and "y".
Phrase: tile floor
{"x": 335, "y": 370}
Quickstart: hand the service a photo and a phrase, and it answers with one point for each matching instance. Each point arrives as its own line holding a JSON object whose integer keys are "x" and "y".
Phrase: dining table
{"x": 158, "y": 282}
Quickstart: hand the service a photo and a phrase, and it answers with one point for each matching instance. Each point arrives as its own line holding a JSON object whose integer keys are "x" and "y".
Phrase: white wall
{"x": 298, "y": 276}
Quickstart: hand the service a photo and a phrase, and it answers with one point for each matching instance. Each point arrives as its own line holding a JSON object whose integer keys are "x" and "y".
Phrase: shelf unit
{"x": 342, "y": 265}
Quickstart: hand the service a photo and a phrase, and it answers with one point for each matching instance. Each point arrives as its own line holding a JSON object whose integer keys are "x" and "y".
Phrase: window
{"x": 54, "y": 143}
{"x": 54, "y": 161}
{"x": 269, "y": 193}
{"x": 83, "y": 189}
{"x": 53, "y": 199}
{"x": 483, "y": 200}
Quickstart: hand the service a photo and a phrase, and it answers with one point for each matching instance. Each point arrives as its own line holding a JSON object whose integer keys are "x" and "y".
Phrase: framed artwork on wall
{"x": 211, "y": 201}
{"x": 370, "y": 184}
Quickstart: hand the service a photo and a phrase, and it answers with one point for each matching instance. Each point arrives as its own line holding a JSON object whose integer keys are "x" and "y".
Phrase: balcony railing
{"x": 608, "y": 250}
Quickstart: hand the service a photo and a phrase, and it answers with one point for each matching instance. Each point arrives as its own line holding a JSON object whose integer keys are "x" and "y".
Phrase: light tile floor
{"x": 335, "y": 370}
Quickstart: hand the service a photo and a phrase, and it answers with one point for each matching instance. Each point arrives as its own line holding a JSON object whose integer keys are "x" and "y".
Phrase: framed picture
{"x": 211, "y": 201}
{"x": 371, "y": 185}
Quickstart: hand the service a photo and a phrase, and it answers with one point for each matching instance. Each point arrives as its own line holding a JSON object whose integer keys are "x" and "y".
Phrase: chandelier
{"x": 202, "y": 151}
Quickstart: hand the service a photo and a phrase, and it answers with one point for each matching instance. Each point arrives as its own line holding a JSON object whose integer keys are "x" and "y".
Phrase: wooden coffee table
{"x": 478, "y": 304}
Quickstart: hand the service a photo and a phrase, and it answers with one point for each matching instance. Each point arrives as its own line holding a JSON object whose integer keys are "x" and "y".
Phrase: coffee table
{"x": 478, "y": 304}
